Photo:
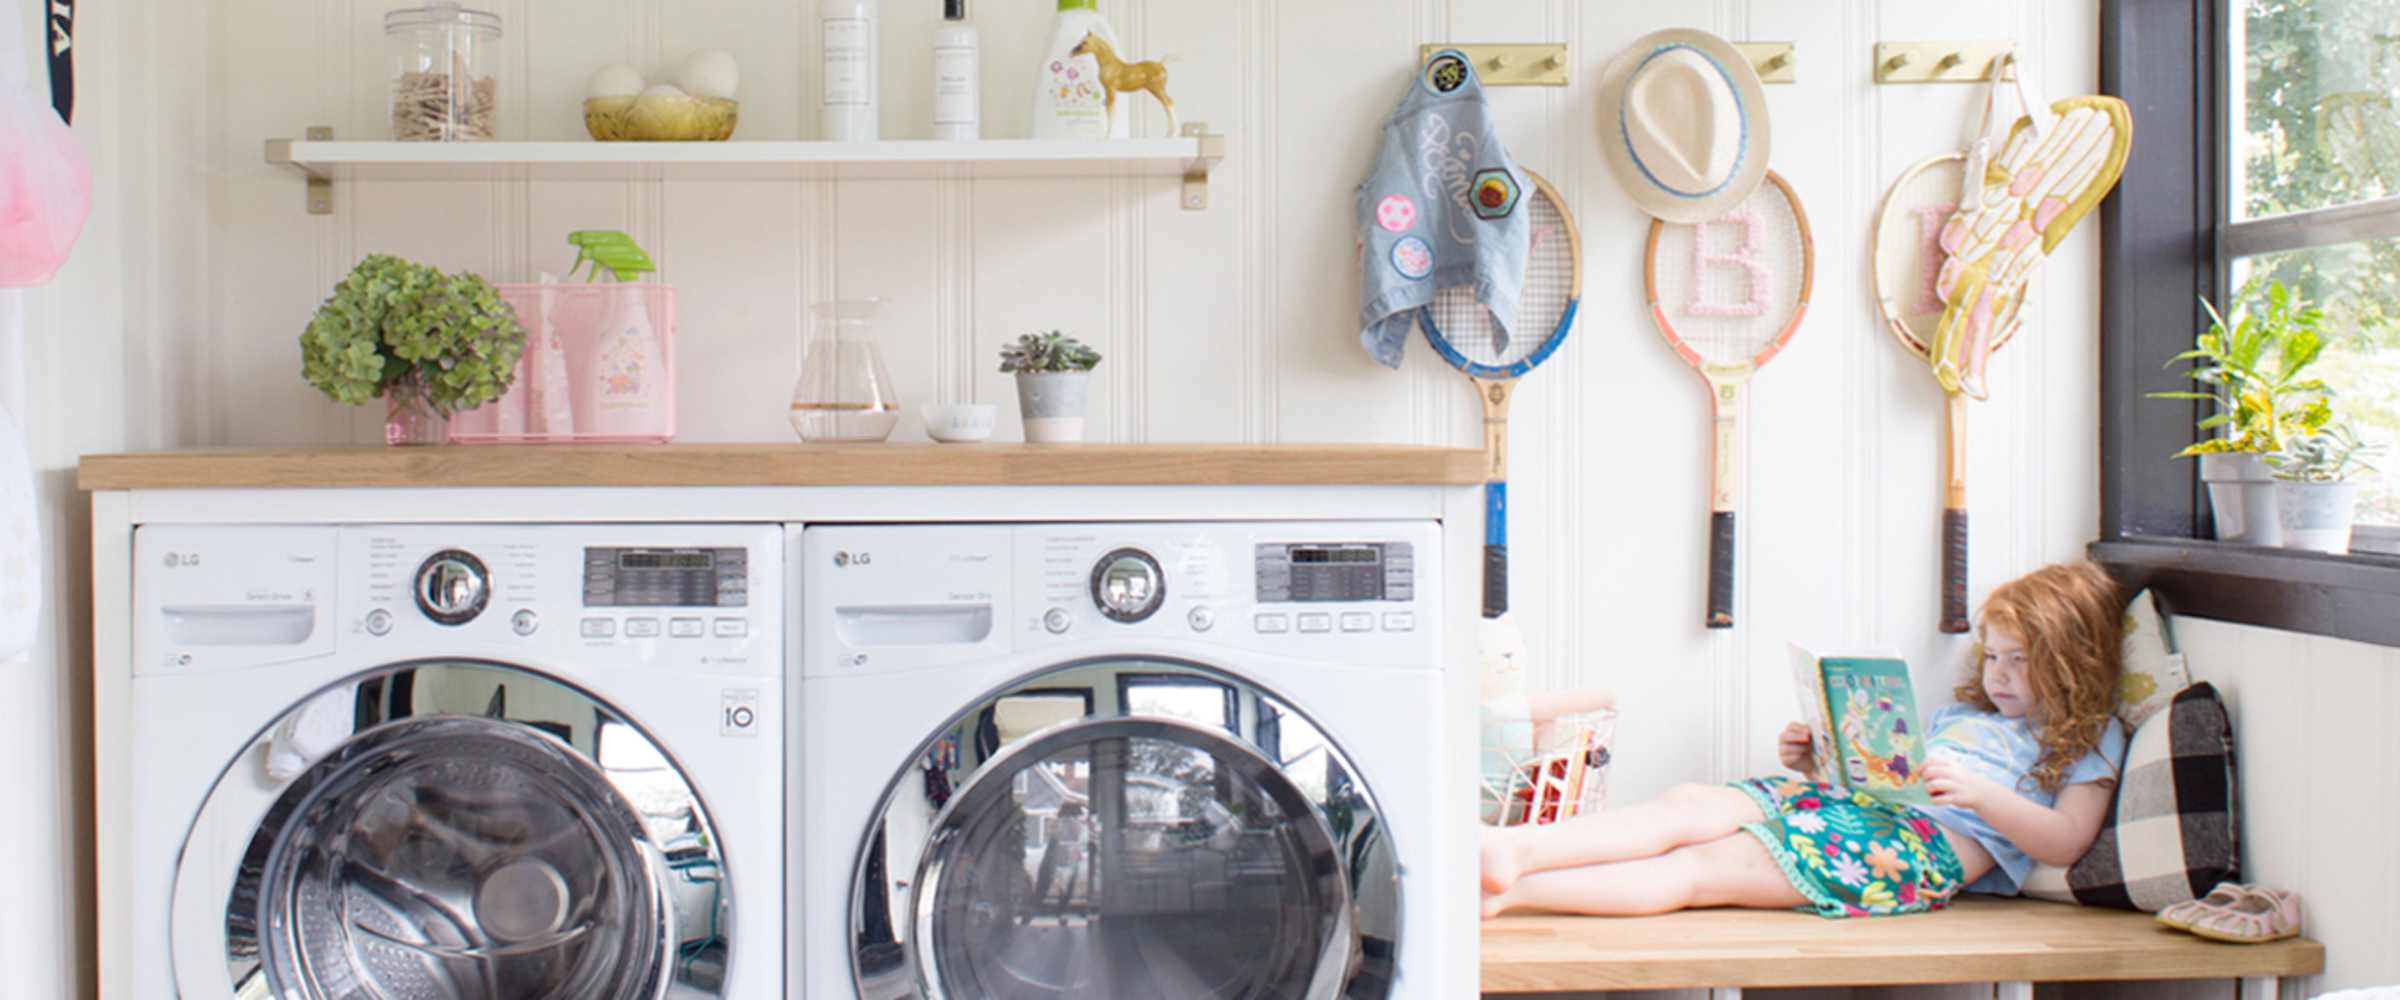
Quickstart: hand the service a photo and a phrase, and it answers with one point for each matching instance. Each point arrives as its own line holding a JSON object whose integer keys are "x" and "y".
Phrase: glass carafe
{"x": 844, "y": 393}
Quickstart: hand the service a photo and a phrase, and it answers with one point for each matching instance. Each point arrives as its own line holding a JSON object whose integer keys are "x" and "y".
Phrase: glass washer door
{"x": 1114, "y": 852}
{"x": 474, "y": 831}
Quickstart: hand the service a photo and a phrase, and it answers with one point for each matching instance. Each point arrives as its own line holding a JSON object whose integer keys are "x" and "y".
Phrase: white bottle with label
{"x": 621, "y": 391}
{"x": 1068, "y": 101}
{"x": 848, "y": 104}
{"x": 957, "y": 76}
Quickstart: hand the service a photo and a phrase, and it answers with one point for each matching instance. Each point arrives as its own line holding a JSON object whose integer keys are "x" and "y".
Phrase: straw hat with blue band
{"x": 1683, "y": 121}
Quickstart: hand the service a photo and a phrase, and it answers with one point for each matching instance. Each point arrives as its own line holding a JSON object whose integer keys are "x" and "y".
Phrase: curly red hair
{"x": 2070, "y": 616}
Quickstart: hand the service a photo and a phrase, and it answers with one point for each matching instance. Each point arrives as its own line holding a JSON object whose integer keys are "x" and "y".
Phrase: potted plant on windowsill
{"x": 2252, "y": 367}
{"x": 2316, "y": 487}
{"x": 431, "y": 344}
{"x": 1053, "y": 374}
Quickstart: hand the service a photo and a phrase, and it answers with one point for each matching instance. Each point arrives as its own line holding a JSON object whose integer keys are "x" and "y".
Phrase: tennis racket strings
{"x": 1727, "y": 288}
{"x": 1462, "y": 322}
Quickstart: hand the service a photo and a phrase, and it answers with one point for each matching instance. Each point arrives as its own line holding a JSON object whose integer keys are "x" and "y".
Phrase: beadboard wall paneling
{"x": 1238, "y": 323}
{"x": 2312, "y": 724}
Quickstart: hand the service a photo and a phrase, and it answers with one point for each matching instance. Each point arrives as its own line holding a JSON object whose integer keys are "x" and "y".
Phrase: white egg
{"x": 618, "y": 80}
{"x": 712, "y": 73}
{"x": 664, "y": 90}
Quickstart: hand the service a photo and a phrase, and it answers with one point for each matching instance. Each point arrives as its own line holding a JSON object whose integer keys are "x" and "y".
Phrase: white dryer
{"x": 458, "y": 762}
{"x": 1172, "y": 760}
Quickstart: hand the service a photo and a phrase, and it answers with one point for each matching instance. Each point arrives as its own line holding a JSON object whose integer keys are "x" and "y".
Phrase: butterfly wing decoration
{"x": 2026, "y": 200}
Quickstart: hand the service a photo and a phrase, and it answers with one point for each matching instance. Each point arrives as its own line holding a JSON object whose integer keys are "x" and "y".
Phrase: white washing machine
{"x": 1121, "y": 760}
{"x": 458, "y": 762}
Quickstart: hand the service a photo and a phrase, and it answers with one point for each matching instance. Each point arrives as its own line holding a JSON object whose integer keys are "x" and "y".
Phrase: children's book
{"x": 1861, "y": 713}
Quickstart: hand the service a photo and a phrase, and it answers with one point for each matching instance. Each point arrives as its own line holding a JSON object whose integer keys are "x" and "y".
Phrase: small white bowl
{"x": 961, "y": 422}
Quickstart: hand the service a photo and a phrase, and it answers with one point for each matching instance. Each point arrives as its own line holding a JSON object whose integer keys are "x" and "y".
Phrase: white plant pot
{"x": 2317, "y": 516}
{"x": 2242, "y": 494}
{"x": 1052, "y": 404}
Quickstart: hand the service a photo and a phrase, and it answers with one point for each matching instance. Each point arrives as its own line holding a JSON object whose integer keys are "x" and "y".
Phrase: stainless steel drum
{"x": 481, "y": 833}
{"x": 1127, "y": 828}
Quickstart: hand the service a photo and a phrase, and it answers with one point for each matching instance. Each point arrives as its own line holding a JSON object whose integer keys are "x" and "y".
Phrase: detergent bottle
{"x": 620, "y": 390}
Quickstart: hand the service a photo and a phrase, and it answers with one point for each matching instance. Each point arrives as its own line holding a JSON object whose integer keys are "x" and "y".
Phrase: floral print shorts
{"x": 1850, "y": 854}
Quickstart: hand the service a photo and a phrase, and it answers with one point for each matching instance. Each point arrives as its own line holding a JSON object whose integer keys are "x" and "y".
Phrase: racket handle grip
{"x": 1954, "y": 572}
{"x": 1720, "y": 569}
{"x": 1495, "y": 580}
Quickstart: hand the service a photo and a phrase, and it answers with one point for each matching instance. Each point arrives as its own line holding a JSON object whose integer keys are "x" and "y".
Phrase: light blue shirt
{"x": 2002, "y": 749}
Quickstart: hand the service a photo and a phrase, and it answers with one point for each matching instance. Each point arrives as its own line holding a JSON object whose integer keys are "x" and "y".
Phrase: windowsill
{"x": 2351, "y": 596}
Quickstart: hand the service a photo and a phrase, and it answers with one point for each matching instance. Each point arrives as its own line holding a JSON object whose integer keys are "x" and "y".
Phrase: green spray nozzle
{"x": 611, "y": 251}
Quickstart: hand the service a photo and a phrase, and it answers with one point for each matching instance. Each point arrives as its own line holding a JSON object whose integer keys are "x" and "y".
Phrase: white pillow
{"x": 2154, "y": 671}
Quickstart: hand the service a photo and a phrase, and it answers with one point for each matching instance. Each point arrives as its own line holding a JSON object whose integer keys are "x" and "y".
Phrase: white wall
{"x": 2314, "y": 741}
{"x": 1238, "y": 323}
{"x": 97, "y": 342}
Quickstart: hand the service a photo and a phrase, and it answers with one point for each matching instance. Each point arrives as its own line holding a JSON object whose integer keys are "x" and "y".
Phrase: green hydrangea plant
{"x": 1047, "y": 352}
{"x": 396, "y": 326}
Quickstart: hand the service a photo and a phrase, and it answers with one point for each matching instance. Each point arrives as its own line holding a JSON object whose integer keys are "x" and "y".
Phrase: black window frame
{"x": 2159, "y": 257}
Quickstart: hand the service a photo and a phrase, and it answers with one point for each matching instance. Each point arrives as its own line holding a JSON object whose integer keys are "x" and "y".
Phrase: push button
{"x": 1273, "y": 624}
{"x": 599, "y": 628}
{"x": 1358, "y": 621}
{"x": 1057, "y": 621}
{"x": 525, "y": 622}
{"x": 686, "y": 628}
{"x": 641, "y": 628}
{"x": 1202, "y": 619}
{"x": 379, "y": 622}
{"x": 731, "y": 628}
{"x": 1316, "y": 622}
{"x": 1399, "y": 621}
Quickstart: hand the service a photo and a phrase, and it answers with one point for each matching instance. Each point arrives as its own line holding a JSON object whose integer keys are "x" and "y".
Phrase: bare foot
{"x": 1500, "y": 866}
{"x": 1494, "y": 904}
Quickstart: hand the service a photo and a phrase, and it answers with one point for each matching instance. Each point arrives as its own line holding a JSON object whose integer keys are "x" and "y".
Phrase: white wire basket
{"x": 1562, "y": 774}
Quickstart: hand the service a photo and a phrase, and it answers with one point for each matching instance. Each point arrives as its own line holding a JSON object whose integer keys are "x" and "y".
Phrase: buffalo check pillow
{"x": 2169, "y": 836}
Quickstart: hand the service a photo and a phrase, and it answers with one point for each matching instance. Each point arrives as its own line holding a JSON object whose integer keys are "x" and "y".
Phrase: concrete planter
{"x": 2242, "y": 494}
{"x": 1052, "y": 404}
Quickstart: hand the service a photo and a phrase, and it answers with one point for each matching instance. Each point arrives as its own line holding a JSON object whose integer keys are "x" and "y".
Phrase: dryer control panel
{"x": 903, "y": 597}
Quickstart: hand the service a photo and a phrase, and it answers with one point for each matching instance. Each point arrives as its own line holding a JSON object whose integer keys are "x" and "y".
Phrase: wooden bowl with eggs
{"x": 698, "y": 107}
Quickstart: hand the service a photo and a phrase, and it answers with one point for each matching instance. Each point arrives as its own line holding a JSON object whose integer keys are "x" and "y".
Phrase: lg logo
{"x": 842, "y": 559}
{"x": 179, "y": 560}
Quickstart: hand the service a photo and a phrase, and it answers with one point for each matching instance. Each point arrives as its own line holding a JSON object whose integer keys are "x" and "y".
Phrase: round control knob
{"x": 525, "y": 621}
{"x": 453, "y": 586}
{"x": 1057, "y": 621}
{"x": 379, "y": 622}
{"x": 1128, "y": 585}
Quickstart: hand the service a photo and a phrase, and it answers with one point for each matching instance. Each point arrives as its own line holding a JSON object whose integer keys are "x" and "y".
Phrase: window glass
{"x": 2358, "y": 285}
{"x": 2315, "y": 100}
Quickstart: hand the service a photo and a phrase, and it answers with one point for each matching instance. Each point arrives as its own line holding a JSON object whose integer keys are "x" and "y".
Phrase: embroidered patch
{"x": 1412, "y": 257}
{"x": 1396, "y": 213}
{"x": 1495, "y": 194}
{"x": 1446, "y": 72}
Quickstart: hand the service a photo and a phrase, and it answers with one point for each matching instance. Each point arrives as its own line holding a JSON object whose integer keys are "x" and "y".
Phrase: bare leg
{"x": 1734, "y": 870}
{"x": 1687, "y": 814}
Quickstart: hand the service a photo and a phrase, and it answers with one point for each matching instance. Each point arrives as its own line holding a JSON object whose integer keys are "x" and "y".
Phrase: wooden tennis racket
{"x": 1464, "y": 333}
{"x": 1727, "y": 295}
{"x": 1907, "y": 256}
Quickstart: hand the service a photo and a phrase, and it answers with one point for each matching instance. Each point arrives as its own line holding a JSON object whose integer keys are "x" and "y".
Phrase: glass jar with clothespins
{"x": 445, "y": 76}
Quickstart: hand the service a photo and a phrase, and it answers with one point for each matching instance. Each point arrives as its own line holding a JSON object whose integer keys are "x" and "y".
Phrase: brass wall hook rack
{"x": 1943, "y": 62}
{"x": 1774, "y": 61}
{"x": 1543, "y": 65}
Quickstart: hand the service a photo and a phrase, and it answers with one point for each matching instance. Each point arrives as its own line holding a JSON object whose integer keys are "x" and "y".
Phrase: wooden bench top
{"x": 1981, "y": 939}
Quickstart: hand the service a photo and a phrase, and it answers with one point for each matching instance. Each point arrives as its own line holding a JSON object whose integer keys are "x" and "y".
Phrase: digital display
{"x": 1335, "y": 572}
{"x": 666, "y": 578}
{"x": 645, "y": 559}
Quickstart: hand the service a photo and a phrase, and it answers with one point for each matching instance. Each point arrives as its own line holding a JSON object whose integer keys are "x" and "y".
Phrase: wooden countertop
{"x": 786, "y": 465}
{"x": 1980, "y": 939}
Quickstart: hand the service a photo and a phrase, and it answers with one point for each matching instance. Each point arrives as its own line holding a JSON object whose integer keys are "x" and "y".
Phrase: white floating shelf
{"x": 325, "y": 162}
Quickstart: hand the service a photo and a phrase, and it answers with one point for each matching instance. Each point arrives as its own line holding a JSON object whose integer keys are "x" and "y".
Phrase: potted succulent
{"x": 431, "y": 344}
{"x": 2317, "y": 492}
{"x": 2253, "y": 368}
{"x": 1053, "y": 373}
